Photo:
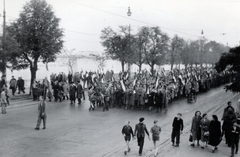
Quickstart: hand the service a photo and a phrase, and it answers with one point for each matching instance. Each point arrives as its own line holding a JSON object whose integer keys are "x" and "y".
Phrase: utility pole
{"x": 129, "y": 13}
{"x": 4, "y": 76}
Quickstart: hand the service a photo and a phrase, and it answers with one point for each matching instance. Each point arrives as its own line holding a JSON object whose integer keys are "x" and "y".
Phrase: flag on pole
{"x": 123, "y": 86}
{"x": 157, "y": 82}
{"x": 47, "y": 81}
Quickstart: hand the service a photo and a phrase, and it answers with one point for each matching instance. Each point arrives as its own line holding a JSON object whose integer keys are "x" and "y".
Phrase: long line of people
{"x": 138, "y": 91}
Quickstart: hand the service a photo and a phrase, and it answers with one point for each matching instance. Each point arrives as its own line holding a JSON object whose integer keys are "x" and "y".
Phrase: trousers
{"x": 39, "y": 121}
{"x": 140, "y": 144}
{"x": 176, "y": 134}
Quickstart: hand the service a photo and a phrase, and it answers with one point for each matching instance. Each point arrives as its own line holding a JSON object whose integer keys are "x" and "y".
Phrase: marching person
{"x": 79, "y": 92}
{"x": 177, "y": 129}
{"x": 20, "y": 85}
{"x": 13, "y": 85}
{"x": 204, "y": 125}
{"x": 41, "y": 113}
{"x": 140, "y": 130}
{"x": 3, "y": 101}
{"x": 155, "y": 130}
{"x": 195, "y": 128}
{"x": 215, "y": 135}
{"x": 127, "y": 132}
{"x": 72, "y": 93}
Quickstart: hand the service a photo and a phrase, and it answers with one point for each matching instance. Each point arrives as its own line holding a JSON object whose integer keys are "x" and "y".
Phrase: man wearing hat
{"x": 177, "y": 129}
{"x": 140, "y": 130}
{"x": 155, "y": 130}
{"x": 235, "y": 137}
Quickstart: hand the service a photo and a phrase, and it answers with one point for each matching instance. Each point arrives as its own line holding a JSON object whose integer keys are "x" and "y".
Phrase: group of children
{"x": 141, "y": 129}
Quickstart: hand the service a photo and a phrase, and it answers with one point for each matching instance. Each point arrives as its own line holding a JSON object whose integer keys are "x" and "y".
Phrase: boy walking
{"x": 41, "y": 113}
{"x": 127, "y": 132}
{"x": 177, "y": 129}
{"x": 235, "y": 137}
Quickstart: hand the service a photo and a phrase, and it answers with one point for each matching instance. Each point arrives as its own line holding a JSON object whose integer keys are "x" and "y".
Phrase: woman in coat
{"x": 204, "y": 125}
{"x": 215, "y": 134}
{"x": 195, "y": 128}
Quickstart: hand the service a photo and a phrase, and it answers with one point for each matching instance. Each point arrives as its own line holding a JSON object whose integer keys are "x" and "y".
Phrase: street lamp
{"x": 129, "y": 13}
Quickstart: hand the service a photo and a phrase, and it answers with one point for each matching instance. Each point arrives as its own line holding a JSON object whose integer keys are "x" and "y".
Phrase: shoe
{"x": 177, "y": 145}
{"x": 36, "y": 128}
{"x": 173, "y": 144}
{"x": 44, "y": 128}
{"x": 125, "y": 152}
{"x": 193, "y": 145}
{"x": 213, "y": 150}
{"x": 140, "y": 154}
{"x": 216, "y": 148}
{"x": 202, "y": 147}
{"x": 129, "y": 149}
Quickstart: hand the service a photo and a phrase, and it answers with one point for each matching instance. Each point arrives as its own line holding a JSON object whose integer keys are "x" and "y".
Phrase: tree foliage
{"x": 230, "y": 61}
{"x": 176, "y": 48}
{"x": 38, "y": 35}
{"x": 155, "y": 45}
{"x": 117, "y": 44}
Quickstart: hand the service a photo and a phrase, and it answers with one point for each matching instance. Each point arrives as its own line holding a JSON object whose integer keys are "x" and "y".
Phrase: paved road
{"x": 73, "y": 131}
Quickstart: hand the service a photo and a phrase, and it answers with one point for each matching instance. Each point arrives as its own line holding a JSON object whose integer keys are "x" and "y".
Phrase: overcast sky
{"x": 83, "y": 20}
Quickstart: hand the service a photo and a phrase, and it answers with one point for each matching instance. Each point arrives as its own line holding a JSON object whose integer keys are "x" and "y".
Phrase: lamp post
{"x": 4, "y": 76}
{"x": 129, "y": 13}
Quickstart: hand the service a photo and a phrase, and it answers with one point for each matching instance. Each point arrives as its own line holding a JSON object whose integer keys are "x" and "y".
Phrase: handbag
{"x": 190, "y": 138}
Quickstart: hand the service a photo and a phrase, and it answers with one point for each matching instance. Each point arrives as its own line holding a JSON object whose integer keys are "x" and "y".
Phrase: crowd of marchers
{"x": 130, "y": 90}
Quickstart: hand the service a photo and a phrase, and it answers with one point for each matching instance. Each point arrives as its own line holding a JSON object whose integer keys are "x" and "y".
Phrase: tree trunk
{"x": 140, "y": 68}
{"x": 33, "y": 69}
{"x": 122, "y": 64}
{"x": 152, "y": 69}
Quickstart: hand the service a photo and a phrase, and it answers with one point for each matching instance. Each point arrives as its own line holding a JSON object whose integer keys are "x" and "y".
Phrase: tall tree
{"x": 38, "y": 35}
{"x": 117, "y": 44}
{"x": 176, "y": 47}
{"x": 230, "y": 61}
{"x": 155, "y": 45}
{"x": 188, "y": 54}
{"x": 12, "y": 49}
{"x": 138, "y": 50}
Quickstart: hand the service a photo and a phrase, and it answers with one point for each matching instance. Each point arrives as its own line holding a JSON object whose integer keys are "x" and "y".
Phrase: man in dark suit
{"x": 140, "y": 130}
{"x": 41, "y": 113}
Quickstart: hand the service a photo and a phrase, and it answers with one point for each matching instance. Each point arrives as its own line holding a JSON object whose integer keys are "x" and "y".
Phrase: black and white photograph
{"x": 117, "y": 78}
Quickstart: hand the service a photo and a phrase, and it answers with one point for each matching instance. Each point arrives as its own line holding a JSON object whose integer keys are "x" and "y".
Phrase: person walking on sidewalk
{"x": 227, "y": 110}
{"x": 195, "y": 128}
{"x": 235, "y": 137}
{"x": 215, "y": 135}
{"x": 177, "y": 129}
{"x": 139, "y": 131}
{"x": 204, "y": 124}
{"x": 155, "y": 130}
{"x": 127, "y": 132}
{"x": 3, "y": 101}
{"x": 41, "y": 113}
